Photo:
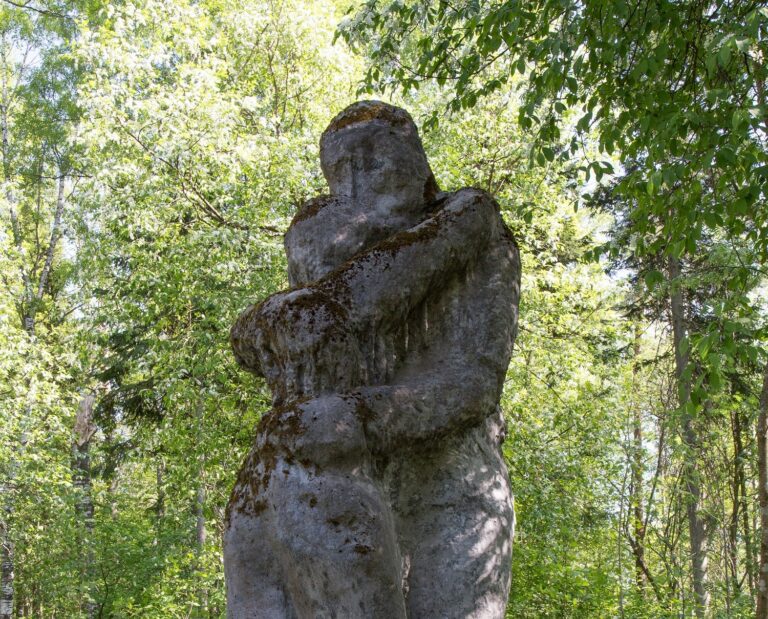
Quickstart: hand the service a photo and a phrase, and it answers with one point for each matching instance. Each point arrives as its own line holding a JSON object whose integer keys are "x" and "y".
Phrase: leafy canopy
{"x": 678, "y": 88}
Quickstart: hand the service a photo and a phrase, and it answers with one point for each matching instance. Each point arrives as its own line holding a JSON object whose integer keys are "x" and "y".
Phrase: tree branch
{"x": 47, "y": 12}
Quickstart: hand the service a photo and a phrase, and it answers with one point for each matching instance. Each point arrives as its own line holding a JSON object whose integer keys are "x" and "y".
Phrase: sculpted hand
{"x": 319, "y": 431}
{"x": 299, "y": 341}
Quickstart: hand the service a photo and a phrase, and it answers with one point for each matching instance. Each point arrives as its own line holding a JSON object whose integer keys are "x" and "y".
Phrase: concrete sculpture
{"x": 376, "y": 486}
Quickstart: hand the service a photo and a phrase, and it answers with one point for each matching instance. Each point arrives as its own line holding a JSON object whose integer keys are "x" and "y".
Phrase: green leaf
{"x": 653, "y": 278}
{"x": 724, "y": 55}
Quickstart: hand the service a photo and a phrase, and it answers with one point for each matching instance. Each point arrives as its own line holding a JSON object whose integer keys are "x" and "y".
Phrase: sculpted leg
{"x": 254, "y": 589}
{"x": 252, "y": 569}
{"x": 457, "y": 513}
{"x": 337, "y": 545}
{"x": 309, "y": 532}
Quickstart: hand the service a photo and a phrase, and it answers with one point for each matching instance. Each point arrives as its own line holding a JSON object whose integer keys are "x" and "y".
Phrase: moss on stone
{"x": 366, "y": 111}
{"x": 310, "y": 209}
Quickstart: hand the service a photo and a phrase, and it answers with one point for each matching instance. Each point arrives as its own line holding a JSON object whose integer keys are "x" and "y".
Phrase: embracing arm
{"x": 388, "y": 280}
{"x": 428, "y": 405}
{"x": 422, "y": 407}
{"x": 303, "y": 341}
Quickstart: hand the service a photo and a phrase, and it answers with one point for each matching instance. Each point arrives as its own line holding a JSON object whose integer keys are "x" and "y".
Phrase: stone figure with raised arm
{"x": 376, "y": 486}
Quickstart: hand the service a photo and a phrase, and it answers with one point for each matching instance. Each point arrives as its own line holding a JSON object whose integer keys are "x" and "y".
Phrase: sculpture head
{"x": 380, "y": 182}
{"x": 371, "y": 154}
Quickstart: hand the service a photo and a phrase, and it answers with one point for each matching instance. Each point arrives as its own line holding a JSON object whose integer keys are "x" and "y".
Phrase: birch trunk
{"x": 81, "y": 474}
{"x": 6, "y": 584}
{"x": 160, "y": 505}
{"x": 28, "y": 302}
{"x": 739, "y": 514}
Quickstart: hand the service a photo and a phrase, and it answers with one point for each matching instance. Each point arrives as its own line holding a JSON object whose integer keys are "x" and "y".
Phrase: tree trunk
{"x": 54, "y": 240}
{"x": 748, "y": 529}
{"x": 81, "y": 474}
{"x": 160, "y": 504}
{"x": 636, "y": 494}
{"x": 201, "y": 536}
{"x": 6, "y": 580}
{"x": 200, "y": 514}
{"x": 739, "y": 515}
{"x": 199, "y": 505}
{"x": 691, "y": 477}
{"x": 112, "y": 493}
{"x": 732, "y": 550}
{"x": 762, "y": 493}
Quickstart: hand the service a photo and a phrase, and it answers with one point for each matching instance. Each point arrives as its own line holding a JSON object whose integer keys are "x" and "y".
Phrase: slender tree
{"x": 81, "y": 472}
{"x": 762, "y": 460}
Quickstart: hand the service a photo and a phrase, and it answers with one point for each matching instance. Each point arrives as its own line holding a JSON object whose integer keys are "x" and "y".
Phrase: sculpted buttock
{"x": 380, "y": 458}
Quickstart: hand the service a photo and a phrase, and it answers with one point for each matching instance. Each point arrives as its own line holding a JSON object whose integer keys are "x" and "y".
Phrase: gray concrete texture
{"x": 376, "y": 485}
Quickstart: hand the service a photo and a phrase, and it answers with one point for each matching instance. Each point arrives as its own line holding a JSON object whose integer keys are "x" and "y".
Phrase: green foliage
{"x": 675, "y": 93}
{"x": 186, "y": 134}
{"x": 674, "y": 89}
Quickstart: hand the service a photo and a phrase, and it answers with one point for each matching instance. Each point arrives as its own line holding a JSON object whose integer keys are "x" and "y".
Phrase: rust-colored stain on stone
{"x": 366, "y": 111}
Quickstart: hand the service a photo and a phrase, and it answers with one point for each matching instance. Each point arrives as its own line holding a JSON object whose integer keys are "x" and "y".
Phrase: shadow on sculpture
{"x": 376, "y": 487}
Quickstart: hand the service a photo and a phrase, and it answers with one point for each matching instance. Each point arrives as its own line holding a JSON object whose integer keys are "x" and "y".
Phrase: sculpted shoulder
{"x": 480, "y": 198}
{"x": 328, "y": 231}
{"x": 310, "y": 208}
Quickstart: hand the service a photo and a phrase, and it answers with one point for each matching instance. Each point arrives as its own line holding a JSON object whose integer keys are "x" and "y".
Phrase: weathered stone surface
{"x": 376, "y": 486}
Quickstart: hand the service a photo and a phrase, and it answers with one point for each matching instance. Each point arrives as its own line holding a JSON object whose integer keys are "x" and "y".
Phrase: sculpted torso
{"x": 376, "y": 487}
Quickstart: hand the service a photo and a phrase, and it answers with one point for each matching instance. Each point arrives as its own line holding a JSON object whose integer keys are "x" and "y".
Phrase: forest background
{"x": 153, "y": 152}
